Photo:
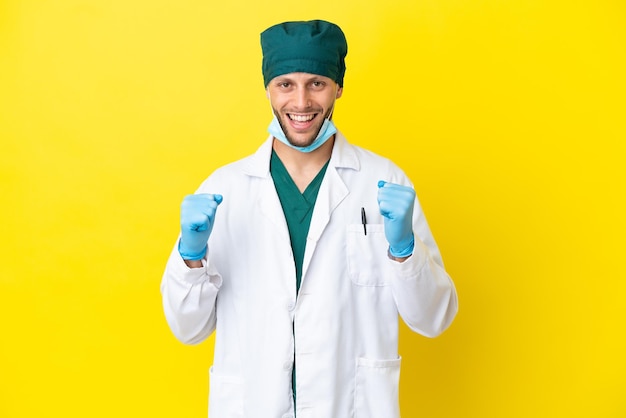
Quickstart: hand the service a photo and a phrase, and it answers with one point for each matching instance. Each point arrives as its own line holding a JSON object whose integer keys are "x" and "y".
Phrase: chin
{"x": 300, "y": 143}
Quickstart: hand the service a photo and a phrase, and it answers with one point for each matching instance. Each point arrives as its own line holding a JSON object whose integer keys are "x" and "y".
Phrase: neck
{"x": 303, "y": 166}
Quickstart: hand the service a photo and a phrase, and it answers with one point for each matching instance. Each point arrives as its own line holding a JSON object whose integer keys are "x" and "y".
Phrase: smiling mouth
{"x": 301, "y": 118}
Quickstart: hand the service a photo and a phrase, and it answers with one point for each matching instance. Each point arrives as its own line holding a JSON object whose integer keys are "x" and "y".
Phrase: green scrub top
{"x": 297, "y": 207}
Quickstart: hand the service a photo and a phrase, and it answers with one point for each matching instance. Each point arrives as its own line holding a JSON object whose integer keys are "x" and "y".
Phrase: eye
{"x": 284, "y": 84}
{"x": 318, "y": 84}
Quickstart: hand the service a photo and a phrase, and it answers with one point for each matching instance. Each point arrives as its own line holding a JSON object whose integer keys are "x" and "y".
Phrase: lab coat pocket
{"x": 225, "y": 396}
{"x": 366, "y": 253}
{"x": 376, "y": 388}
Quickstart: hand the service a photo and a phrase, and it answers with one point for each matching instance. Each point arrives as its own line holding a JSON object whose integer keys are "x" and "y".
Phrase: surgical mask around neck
{"x": 327, "y": 130}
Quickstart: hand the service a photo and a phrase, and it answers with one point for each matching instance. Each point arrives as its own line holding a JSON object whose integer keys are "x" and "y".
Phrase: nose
{"x": 302, "y": 99}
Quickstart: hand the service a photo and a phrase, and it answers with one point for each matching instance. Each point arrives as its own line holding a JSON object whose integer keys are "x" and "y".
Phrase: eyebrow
{"x": 286, "y": 78}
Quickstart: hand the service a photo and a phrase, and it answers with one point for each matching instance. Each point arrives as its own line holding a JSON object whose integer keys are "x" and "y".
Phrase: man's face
{"x": 301, "y": 102}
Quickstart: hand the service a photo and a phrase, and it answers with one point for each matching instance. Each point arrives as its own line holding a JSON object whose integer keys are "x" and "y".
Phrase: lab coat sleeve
{"x": 425, "y": 295}
{"x": 424, "y": 292}
{"x": 189, "y": 296}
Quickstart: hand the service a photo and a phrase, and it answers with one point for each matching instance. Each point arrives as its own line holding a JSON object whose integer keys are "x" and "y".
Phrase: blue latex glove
{"x": 396, "y": 204}
{"x": 197, "y": 215}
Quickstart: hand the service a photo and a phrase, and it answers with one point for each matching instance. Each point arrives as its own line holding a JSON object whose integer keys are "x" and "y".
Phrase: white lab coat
{"x": 343, "y": 324}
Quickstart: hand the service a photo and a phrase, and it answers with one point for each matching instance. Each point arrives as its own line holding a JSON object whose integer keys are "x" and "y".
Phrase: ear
{"x": 339, "y": 92}
{"x": 267, "y": 93}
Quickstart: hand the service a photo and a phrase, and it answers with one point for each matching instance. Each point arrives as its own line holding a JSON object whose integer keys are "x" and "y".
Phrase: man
{"x": 302, "y": 256}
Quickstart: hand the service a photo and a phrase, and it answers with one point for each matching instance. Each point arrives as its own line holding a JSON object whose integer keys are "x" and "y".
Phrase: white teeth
{"x": 301, "y": 118}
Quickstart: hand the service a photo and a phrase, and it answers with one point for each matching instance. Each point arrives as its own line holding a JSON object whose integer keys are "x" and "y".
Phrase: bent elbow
{"x": 191, "y": 335}
{"x": 438, "y": 319}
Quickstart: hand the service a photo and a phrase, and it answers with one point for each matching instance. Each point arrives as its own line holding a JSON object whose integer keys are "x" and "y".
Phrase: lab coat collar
{"x": 343, "y": 156}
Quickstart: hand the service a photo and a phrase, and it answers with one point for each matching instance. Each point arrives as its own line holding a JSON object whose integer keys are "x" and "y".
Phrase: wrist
{"x": 191, "y": 255}
{"x": 193, "y": 264}
{"x": 398, "y": 259}
{"x": 404, "y": 250}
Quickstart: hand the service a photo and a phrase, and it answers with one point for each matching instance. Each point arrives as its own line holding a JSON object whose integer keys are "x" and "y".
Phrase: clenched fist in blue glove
{"x": 197, "y": 215}
{"x": 396, "y": 204}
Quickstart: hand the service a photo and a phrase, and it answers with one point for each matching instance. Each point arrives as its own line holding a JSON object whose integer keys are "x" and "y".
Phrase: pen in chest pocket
{"x": 364, "y": 221}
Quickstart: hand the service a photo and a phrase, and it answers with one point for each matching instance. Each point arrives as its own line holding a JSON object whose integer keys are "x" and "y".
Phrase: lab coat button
{"x": 287, "y": 365}
{"x": 291, "y": 305}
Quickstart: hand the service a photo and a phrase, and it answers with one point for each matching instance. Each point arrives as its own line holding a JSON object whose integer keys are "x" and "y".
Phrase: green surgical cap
{"x": 315, "y": 47}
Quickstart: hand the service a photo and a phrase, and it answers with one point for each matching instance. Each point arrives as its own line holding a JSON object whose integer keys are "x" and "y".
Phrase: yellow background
{"x": 508, "y": 115}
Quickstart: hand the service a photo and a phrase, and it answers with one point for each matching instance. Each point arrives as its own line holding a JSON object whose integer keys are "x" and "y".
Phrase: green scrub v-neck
{"x": 297, "y": 207}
